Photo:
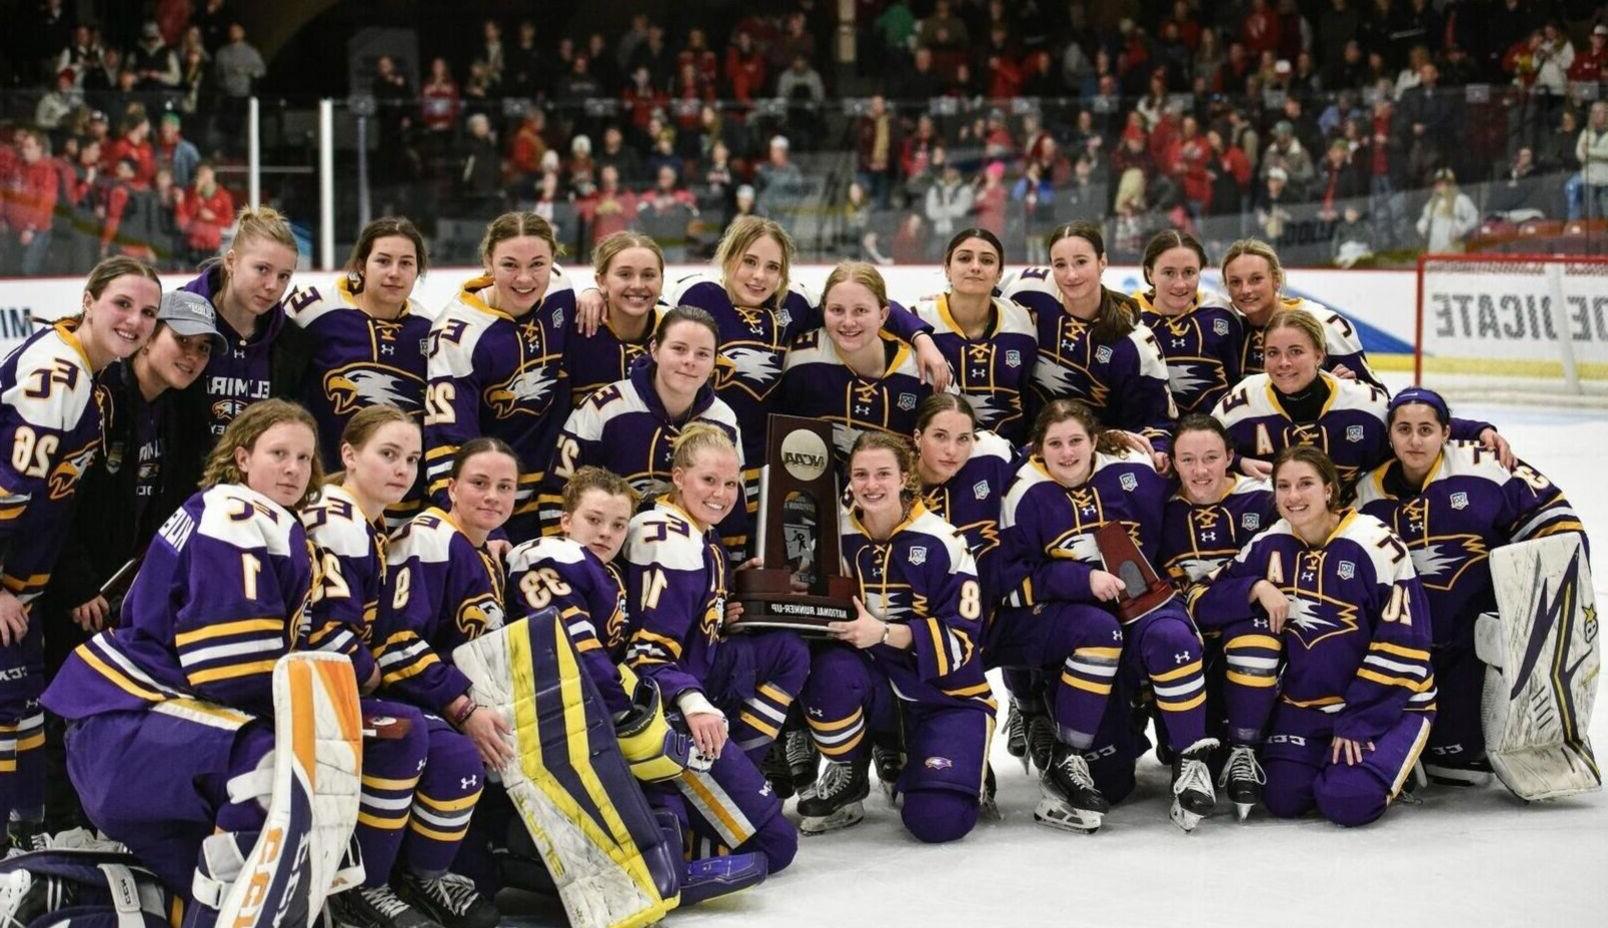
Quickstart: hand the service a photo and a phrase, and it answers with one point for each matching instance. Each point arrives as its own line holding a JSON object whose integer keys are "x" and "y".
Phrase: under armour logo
{"x": 1116, "y": 634}
{"x": 421, "y": 765}
{"x": 387, "y": 349}
{"x": 469, "y": 782}
{"x": 1182, "y": 657}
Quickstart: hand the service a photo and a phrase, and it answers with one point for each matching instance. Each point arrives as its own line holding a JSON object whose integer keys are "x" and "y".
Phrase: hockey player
{"x": 380, "y": 452}
{"x": 368, "y": 334}
{"x": 760, "y": 311}
{"x": 265, "y": 356}
{"x": 630, "y": 426}
{"x": 850, "y": 372}
{"x": 1090, "y": 347}
{"x": 1081, "y": 478}
{"x": 131, "y": 476}
{"x": 496, "y": 361}
{"x": 1356, "y": 697}
{"x": 1254, "y": 278}
{"x": 629, "y": 269}
{"x": 1452, "y": 503}
{"x": 678, "y": 580}
{"x": 989, "y": 343}
{"x": 443, "y": 588}
{"x": 1198, "y": 335}
{"x": 1213, "y": 515}
{"x": 171, "y": 713}
{"x": 52, "y": 417}
{"x": 1297, "y": 402}
{"x": 911, "y": 660}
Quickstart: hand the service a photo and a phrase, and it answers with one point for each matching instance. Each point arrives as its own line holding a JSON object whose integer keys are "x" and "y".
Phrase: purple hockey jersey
{"x": 589, "y": 596}
{"x": 1356, "y": 642}
{"x": 676, "y": 581}
{"x": 1196, "y": 538}
{"x": 1468, "y": 505}
{"x": 1341, "y": 344}
{"x": 924, "y": 578}
{"x": 221, "y": 596}
{"x": 818, "y": 385}
{"x": 1201, "y": 348}
{"x": 440, "y": 592}
{"x": 1351, "y": 428}
{"x": 1047, "y": 546}
{"x": 242, "y": 373}
{"x": 594, "y": 363}
{"x": 1125, "y": 382}
{"x": 991, "y": 372}
{"x": 357, "y": 360}
{"x": 351, "y": 553}
{"x": 971, "y": 501}
{"x": 493, "y": 374}
{"x": 52, "y": 420}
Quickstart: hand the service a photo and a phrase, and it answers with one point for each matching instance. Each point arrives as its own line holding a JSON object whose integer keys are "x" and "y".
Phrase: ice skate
{"x": 776, "y": 770}
{"x": 450, "y": 900}
{"x": 1068, "y": 797}
{"x": 890, "y": 763}
{"x": 1193, "y": 796}
{"x": 838, "y": 798}
{"x": 1041, "y": 741}
{"x": 803, "y": 759}
{"x": 987, "y": 805}
{"x": 1016, "y": 735}
{"x": 1243, "y": 779}
{"x": 375, "y": 907}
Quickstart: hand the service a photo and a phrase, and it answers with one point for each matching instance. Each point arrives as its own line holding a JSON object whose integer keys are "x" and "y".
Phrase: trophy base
{"x": 770, "y": 603}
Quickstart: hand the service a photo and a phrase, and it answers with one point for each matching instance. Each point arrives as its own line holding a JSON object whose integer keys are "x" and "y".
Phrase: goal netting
{"x": 1514, "y": 327}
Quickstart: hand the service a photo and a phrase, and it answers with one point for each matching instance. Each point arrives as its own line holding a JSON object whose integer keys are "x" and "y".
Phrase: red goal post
{"x": 1513, "y": 327}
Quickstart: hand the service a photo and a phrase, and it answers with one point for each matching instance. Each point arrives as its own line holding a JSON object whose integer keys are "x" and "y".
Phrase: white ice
{"x": 1464, "y": 857}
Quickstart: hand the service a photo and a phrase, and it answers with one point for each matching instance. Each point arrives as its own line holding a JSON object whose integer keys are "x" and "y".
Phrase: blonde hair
{"x": 857, "y": 272}
{"x": 1303, "y": 322}
{"x": 515, "y": 225}
{"x": 592, "y": 477}
{"x": 697, "y": 437}
{"x": 263, "y": 224}
{"x": 604, "y": 253}
{"x": 1256, "y": 248}
{"x": 244, "y": 431}
{"x": 743, "y": 232}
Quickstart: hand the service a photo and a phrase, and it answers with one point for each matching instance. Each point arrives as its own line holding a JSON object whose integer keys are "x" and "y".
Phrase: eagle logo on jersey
{"x": 225, "y": 410}
{"x": 1056, "y": 381}
{"x": 355, "y": 386}
{"x": 479, "y": 614}
{"x": 751, "y": 368}
{"x": 525, "y": 392}
{"x": 1079, "y": 546}
{"x": 1441, "y": 561}
{"x": 1195, "y": 569}
{"x": 64, "y": 478}
{"x": 1309, "y": 622}
{"x": 1189, "y": 377}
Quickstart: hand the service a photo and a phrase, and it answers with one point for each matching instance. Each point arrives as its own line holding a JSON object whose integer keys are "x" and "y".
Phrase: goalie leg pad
{"x": 445, "y": 801}
{"x": 1544, "y": 657}
{"x": 302, "y": 848}
{"x": 573, "y": 789}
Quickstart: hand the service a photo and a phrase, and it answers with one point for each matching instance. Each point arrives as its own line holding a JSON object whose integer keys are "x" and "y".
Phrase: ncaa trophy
{"x": 1142, "y": 590}
{"x": 798, "y": 536}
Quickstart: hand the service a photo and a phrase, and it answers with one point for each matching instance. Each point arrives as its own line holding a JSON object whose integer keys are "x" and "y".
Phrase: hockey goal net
{"x": 1514, "y": 327}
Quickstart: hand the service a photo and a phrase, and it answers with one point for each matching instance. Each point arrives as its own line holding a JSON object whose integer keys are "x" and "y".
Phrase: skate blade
{"x": 848, "y": 816}
{"x": 1056, "y": 814}
{"x": 1453, "y": 776}
{"x": 1184, "y": 818}
{"x": 1243, "y": 809}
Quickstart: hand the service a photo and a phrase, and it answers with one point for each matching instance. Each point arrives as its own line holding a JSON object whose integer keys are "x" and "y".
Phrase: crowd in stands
{"x": 1337, "y": 129}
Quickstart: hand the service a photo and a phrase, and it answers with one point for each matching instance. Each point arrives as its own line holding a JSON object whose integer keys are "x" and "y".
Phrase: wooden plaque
{"x": 798, "y": 535}
{"x": 1143, "y": 591}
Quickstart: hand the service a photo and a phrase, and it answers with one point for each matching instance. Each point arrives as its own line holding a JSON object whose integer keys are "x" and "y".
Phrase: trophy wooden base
{"x": 1143, "y": 591}
{"x": 769, "y": 603}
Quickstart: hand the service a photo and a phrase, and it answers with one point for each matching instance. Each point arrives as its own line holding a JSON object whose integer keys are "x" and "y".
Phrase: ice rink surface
{"x": 1466, "y": 857}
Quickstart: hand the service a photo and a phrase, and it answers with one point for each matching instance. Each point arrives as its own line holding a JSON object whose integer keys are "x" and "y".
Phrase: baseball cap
{"x": 1422, "y": 395}
{"x": 189, "y": 314}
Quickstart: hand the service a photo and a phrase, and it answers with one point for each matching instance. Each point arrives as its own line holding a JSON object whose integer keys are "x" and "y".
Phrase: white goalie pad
{"x": 573, "y": 790}
{"x": 298, "y": 859}
{"x": 1542, "y": 652}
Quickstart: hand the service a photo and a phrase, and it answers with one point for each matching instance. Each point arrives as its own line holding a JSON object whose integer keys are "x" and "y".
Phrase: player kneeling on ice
{"x": 1057, "y": 616}
{"x": 1356, "y": 698}
{"x": 1452, "y": 502}
{"x": 220, "y": 772}
{"x": 574, "y": 579}
{"x": 910, "y": 661}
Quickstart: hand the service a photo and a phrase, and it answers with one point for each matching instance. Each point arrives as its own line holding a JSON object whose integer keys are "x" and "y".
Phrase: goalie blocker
{"x": 1542, "y": 655}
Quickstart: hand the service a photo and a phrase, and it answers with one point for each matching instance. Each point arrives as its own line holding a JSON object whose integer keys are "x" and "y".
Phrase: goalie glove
{"x": 655, "y": 751}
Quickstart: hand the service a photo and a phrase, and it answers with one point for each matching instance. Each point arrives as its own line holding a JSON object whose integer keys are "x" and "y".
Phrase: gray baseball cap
{"x": 190, "y": 313}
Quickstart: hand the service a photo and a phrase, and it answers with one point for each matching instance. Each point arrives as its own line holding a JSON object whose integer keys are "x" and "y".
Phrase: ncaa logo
{"x": 1013, "y": 358}
{"x": 1103, "y": 354}
{"x": 1347, "y": 570}
{"x": 1460, "y": 500}
{"x": 907, "y": 401}
{"x": 558, "y": 319}
{"x": 1354, "y": 433}
{"x": 1129, "y": 482}
{"x": 783, "y": 319}
{"x": 1220, "y": 326}
{"x": 918, "y": 555}
{"x": 980, "y": 489}
{"x": 1251, "y": 521}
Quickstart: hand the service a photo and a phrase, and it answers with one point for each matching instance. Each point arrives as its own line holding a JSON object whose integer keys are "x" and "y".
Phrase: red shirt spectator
{"x": 745, "y": 69}
{"x": 1188, "y": 26}
{"x": 439, "y": 109}
{"x": 134, "y": 145}
{"x": 989, "y": 204}
{"x": 206, "y": 210}
{"x": 700, "y": 56}
{"x": 612, "y": 209}
{"x": 526, "y": 148}
{"x": 28, "y": 190}
{"x": 641, "y": 98}
{"x": 1004, "y": 77}
{"x": 1591, "y": 63}
{"x": 1260, "y": 32}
